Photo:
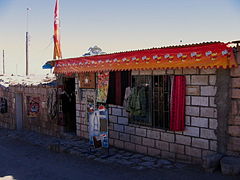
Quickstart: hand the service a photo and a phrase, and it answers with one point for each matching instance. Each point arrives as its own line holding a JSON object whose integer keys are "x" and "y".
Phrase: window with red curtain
{"x": 165, "y": 101}
{"x": 156, "y": 110}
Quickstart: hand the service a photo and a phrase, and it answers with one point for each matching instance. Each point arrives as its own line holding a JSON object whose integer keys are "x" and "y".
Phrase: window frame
{"x": 152, "y": 121}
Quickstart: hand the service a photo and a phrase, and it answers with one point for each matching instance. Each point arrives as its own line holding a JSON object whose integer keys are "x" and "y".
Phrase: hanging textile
{"x": 52, "y": 103}
{"x": 125, "y": 82}
{"x": 177, "y": 113}
{"x": 118, "y": 88}
{"x": 118, "y": 82}
{"x": 102, "y": 86}
{"x": 126, "y": 97}
{"x": 3, "y": 105}
{"x": 57, "y": 53}
{"x": 98, "y": 127}
{"x": 137, "y": 101}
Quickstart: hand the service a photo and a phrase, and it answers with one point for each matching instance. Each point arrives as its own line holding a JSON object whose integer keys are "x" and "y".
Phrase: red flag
{"x": 57, "y": 54}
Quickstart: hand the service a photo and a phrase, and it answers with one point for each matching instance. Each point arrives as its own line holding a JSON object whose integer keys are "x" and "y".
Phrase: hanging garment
{"x": 177, "y": 113}
{"x": 94, "y": 127}
{"x": 138, "y": 101}
{"x": 102, "y": 86}
{"x": 3, "y": 105}
{"x": 52, "y": 103}
{"x": 133, "y": 103}
{"x": 126, "y": 97}
{"x": 94, "y": 123}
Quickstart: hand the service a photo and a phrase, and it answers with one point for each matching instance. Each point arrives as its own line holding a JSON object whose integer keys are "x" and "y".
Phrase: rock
{"x": 121, "y": 151}
{"x": 148, "y": 158}
{"x": 139, "y": 167}
{"x": 136, "y": 160}
{"x": 112, "y": 150}
{"x": 124, "y": 162}
{"x": 211, "y": 162}
{"x": 210, "y": 170}
{"x": 137, "y": 156}
{"x": 85, "y": 151}
{"x": 180, "y": 165}
{"x": 148, "y": 164}
{"x": 168, "y": 166}
{"x": 91, "y": 157}
{"x": 128, "y": 154}
{"x": 163, "y": 162}
{"x": 104, "y": 156}
{"x": 230, "y": 165}
{"x": 156, "y": 166}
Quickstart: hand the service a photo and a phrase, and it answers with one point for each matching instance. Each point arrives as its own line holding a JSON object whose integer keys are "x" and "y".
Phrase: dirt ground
{"x": 24, "y": 161}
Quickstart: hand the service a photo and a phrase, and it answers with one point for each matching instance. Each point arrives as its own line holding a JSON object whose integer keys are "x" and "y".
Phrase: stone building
{"x": 24, "y": 104}
{"x": 211, "y": 106}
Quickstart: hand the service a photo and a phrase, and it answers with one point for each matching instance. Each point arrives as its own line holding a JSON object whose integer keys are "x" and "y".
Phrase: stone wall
{"x": 191, "y": 145}
{"x": 234, "y": 119}
{"x": 42, "y": 123}
{"x": 81, "y": 110}
{"x": 7, "y": 119}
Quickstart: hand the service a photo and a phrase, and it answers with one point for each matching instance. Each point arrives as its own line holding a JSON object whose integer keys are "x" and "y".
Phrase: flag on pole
{"x": 57, "y": 54}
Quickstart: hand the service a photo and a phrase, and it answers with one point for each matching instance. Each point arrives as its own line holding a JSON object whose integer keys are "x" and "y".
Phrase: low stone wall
{"x": 191, "y": 145}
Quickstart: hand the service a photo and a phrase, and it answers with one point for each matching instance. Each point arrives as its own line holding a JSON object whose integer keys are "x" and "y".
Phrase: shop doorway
{"x": 19, "y": 110}
{"x": 69, "y": 105}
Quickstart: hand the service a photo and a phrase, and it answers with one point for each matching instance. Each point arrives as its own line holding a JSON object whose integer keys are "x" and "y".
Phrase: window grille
{"x": 161, "y": 103}
{"x": 157, "y": 91}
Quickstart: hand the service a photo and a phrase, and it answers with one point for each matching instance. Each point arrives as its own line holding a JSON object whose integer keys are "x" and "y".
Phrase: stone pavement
{"x": 79, "y": 147}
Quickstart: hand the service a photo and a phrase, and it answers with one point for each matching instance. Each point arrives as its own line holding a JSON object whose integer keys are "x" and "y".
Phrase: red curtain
{"x": 177, "y": 114}
{"x": 118, "y": 88}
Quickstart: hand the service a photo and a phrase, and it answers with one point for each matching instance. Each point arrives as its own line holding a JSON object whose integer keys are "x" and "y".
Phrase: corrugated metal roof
{"x": 163, "y": 47}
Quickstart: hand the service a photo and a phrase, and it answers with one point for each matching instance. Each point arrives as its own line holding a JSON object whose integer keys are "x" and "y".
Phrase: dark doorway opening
{"x": 69, "y": 105}
{"x": 19, "y": 111}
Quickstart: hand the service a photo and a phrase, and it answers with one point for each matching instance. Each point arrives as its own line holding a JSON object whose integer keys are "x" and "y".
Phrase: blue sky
{"x": 113, "y": 25}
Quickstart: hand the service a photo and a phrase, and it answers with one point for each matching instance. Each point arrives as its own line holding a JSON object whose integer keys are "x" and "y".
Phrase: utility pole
{"x": 26, "y": 53}
{"x": 27, "y": 40}
{"x": 3, "y": 63}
